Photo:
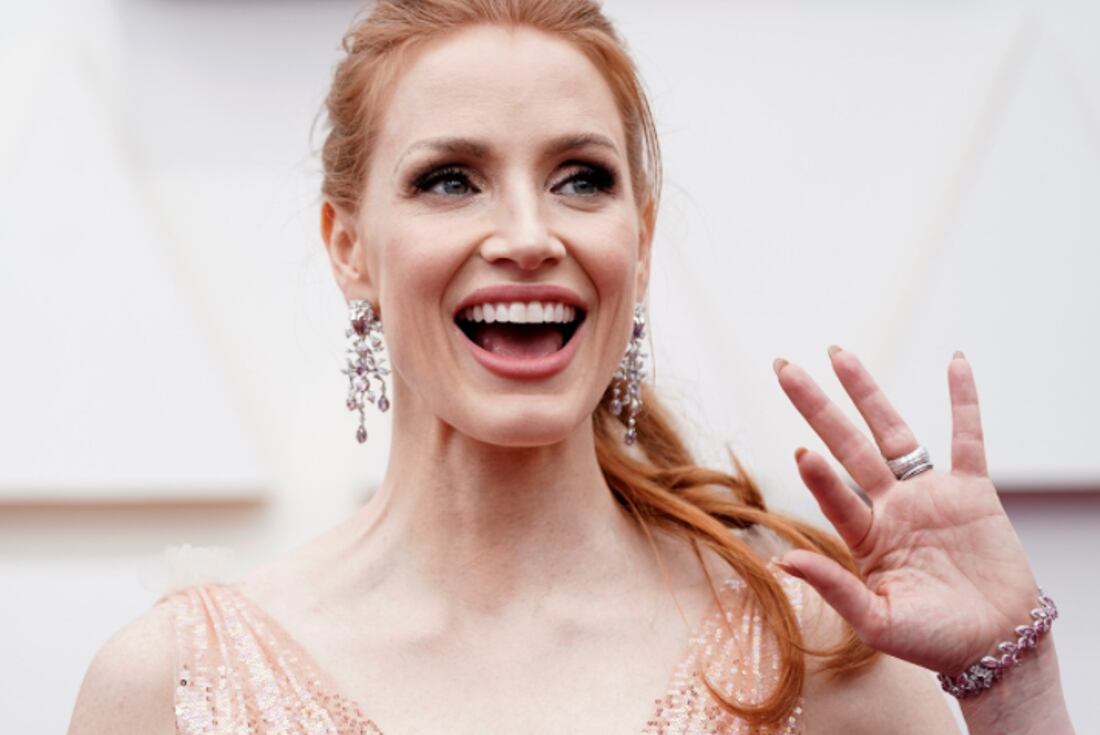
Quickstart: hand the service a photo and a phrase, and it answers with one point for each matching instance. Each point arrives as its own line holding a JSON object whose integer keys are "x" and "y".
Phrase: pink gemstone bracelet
{"x": 988, "y": 671}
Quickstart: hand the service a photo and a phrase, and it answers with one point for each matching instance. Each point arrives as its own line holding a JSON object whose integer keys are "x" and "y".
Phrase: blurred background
{"x": 901, "y": 178}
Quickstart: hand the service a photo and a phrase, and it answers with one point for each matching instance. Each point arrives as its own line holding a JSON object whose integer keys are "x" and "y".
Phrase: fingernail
{"x": 959, "y": 355}
{"x": 798, "y": 453}
{"x": 793, "y": 571}
{"x": 833, "y": 349}
{"x": 779, "y": 364}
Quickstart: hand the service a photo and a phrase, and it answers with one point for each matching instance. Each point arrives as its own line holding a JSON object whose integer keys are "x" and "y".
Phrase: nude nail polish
{"x": 791, "y": 570}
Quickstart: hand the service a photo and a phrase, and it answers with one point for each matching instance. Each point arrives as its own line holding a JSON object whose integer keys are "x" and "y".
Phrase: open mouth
{"x": 526, "y": 330}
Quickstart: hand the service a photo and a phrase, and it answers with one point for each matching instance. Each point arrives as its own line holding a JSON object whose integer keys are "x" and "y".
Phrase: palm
{"x": 944, "y": 575}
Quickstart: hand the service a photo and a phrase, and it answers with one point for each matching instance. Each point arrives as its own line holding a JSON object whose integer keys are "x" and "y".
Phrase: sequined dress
{"x": 238, "y": 671}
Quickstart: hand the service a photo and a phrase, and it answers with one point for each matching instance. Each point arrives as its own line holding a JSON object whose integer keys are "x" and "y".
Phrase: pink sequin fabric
{"x": 738, "y": 658}
{"x": 239, "y": 673}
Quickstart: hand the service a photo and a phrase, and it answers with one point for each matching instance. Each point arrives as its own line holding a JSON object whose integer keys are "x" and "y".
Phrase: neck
{"x": 489, "y": 527}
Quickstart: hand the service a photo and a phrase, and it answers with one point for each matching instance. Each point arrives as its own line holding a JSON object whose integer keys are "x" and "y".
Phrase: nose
{"x": 520, "y": 233}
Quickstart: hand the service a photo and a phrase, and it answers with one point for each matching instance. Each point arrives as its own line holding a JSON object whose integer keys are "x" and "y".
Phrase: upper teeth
{"x": 517, "y": 312}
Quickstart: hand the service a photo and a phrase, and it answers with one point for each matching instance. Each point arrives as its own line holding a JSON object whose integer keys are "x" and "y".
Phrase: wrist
{"x": 987, "y": 672}
{"x": 1027, "y": 700}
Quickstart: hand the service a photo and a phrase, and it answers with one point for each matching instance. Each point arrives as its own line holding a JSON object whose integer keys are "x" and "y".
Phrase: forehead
{"x": 508, "y": 86}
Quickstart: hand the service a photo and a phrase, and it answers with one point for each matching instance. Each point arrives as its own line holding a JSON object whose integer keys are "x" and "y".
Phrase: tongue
{"x": 519, "y": 340}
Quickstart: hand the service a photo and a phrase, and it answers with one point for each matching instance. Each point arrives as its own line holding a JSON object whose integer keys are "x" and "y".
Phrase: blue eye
{"x": 589, "y": 181}
{"x": 445, "y": 182}
{"x": 582, "y": 186}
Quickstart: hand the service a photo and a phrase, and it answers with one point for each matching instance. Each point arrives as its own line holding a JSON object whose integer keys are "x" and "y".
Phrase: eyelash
{"x": 422, "y": 183}
{"x": 602, "y": 177}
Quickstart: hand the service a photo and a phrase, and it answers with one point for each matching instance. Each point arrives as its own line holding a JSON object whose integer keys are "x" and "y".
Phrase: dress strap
{"x": 236, "y": 673}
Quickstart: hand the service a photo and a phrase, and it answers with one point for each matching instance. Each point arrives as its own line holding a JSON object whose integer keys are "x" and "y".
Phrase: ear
{"x": 346, "y": 252}
{"x": 645, "y": 247}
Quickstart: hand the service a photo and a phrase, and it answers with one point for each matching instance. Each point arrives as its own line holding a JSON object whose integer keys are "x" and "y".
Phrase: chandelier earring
{"x": 626, "y": 385}
{"x": 366, "y": 367}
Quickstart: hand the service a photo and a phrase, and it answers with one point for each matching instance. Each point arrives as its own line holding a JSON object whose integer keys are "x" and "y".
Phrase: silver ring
{"x": 909, "y": 465}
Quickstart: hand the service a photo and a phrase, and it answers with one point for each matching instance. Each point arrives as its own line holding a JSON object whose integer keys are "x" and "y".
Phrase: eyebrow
{"x": 478, "y": 149}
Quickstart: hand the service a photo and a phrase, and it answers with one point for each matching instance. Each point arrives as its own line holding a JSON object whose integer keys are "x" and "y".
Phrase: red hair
{"x": 661, "y": 486}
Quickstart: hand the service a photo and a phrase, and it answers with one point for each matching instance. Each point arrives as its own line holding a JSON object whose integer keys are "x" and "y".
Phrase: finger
{"x": 847, "y": 512}
{"x": 892, "y": 434}
{"x": 967, "y": 441}
{"x": 841, "y": 590}
{"x": 847, "y": 443}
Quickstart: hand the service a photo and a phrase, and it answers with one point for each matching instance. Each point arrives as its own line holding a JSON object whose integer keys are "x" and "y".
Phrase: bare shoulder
{"x": 129, "y": 685}
{"x": 888, "y": 696}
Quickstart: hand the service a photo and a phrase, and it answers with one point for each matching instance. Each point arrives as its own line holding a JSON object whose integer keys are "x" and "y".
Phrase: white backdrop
{"x": 903, "y": 179}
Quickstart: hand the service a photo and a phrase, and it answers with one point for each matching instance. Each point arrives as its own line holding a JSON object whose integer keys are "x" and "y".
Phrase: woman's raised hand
{"x": 945, "y": 577}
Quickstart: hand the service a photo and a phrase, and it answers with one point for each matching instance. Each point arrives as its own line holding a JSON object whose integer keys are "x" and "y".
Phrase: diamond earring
{"x": 364, "y": 363}
{"x": 626, "y": 385}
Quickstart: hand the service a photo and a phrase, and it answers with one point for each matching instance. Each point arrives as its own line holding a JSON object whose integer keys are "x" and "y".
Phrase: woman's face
{"x": 498, "y": 233}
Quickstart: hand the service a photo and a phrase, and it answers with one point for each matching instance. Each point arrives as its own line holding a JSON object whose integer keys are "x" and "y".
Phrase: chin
{"x": 525, "y": 422}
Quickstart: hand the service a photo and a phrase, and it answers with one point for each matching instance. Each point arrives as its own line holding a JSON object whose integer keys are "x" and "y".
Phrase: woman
{"x": 543, "y": 556}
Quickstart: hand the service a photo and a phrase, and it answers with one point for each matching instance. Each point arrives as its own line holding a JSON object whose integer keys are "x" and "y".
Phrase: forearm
{"x": 1027, "y": 700}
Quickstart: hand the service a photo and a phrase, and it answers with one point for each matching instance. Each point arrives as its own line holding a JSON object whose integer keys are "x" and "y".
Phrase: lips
{"x": 522, "y": 332}
{"x": 518, "y": 367}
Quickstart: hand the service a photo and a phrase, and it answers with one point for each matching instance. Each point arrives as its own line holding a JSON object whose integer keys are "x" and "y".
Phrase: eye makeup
{"x": 424, "y": 179}
{"x": 603, "y": 178}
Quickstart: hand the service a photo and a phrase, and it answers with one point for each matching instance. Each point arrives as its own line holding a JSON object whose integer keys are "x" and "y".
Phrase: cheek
{"x": 607, "y": 250}
{"x": 415, "y": 267}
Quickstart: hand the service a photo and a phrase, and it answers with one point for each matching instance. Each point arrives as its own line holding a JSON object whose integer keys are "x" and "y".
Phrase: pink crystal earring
{"x": 626, "y": 385}
{"x": 365, "y": 363}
